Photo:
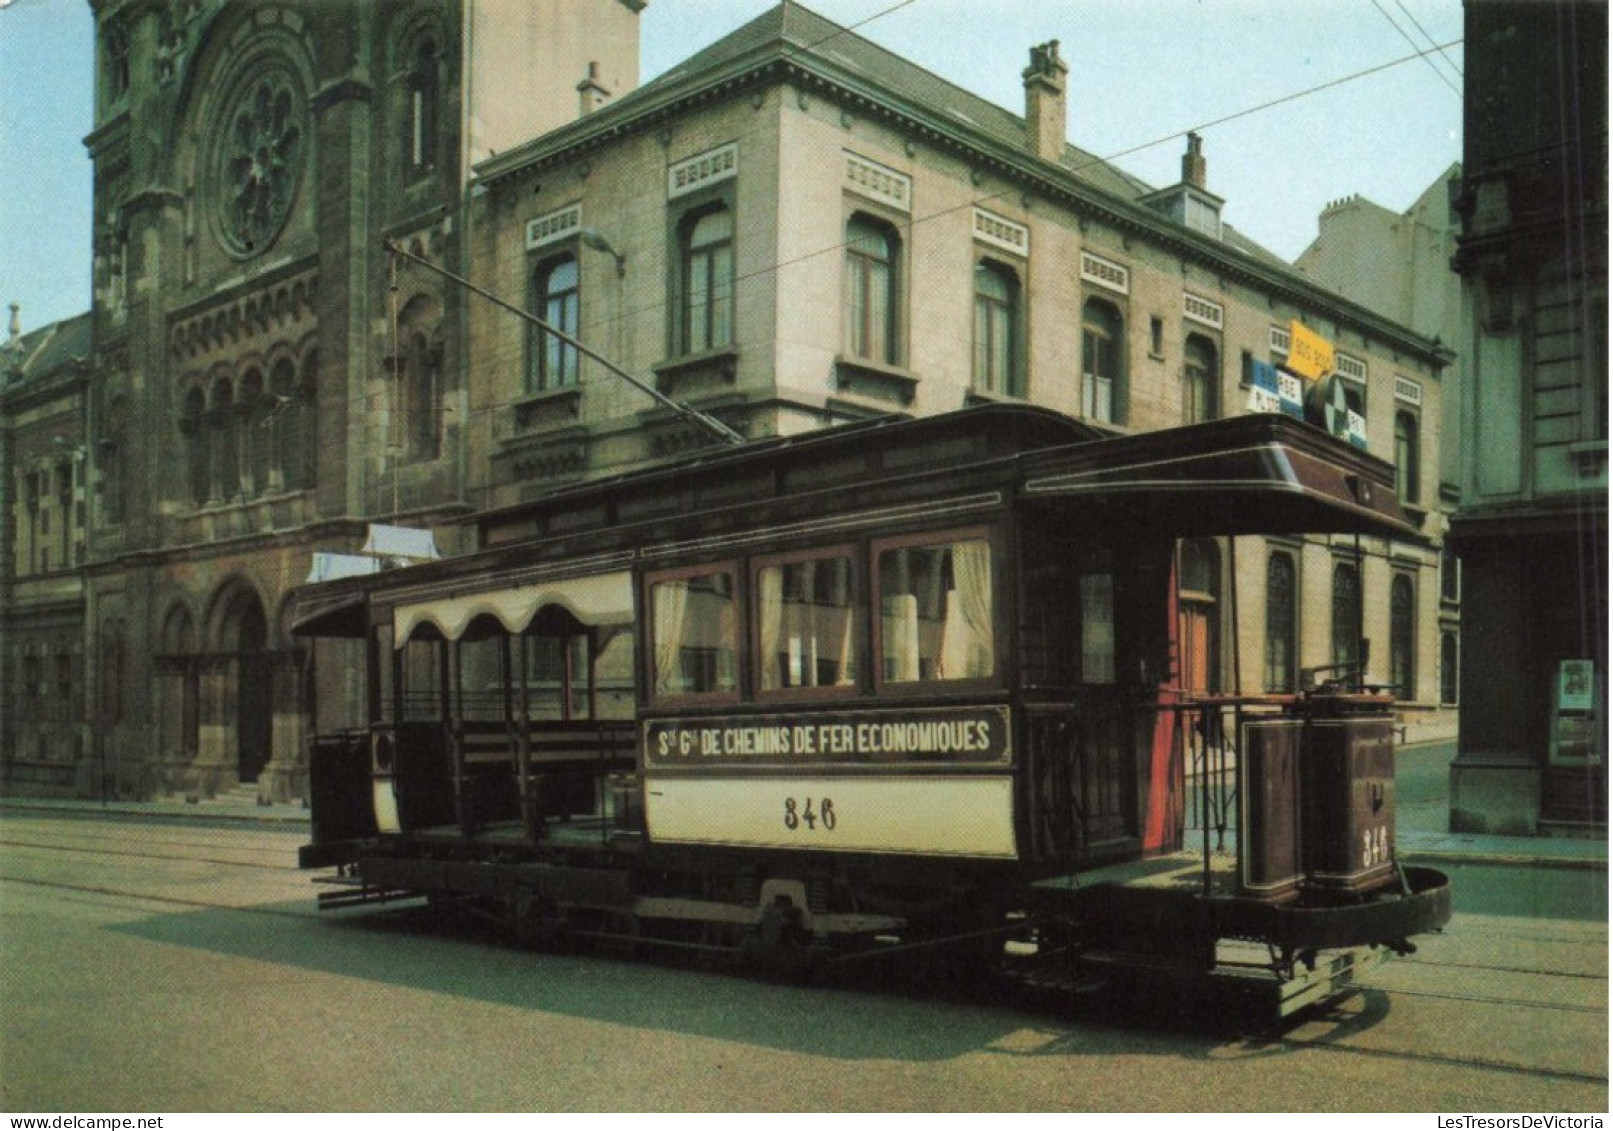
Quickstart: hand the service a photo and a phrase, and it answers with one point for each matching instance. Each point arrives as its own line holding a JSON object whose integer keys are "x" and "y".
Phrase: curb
{"x": 1502, "y": 859}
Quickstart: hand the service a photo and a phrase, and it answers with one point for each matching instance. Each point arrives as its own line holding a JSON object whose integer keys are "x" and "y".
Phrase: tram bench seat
{"x": 568, "y": 764}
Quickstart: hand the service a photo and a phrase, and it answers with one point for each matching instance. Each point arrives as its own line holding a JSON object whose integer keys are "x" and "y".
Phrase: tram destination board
{"x": 941, "y": 736}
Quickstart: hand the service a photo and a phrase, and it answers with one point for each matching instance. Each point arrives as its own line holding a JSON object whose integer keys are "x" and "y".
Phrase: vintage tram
{"x": 898, "y": 684}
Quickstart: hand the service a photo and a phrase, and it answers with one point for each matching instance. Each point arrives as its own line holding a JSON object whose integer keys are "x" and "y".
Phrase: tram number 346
{"x": 1374, "y": 846}
{"x": 799, "y": 814}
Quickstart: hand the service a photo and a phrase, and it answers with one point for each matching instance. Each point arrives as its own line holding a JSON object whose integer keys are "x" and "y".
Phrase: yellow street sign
{"x": 1309, "y": 354}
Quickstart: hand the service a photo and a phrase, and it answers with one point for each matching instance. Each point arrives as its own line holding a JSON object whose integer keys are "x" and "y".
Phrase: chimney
{"x": 1044, "y": 101}
{"x": 591, "y": 93}
{"x": 16, "y": 324}
{"x": 1194, "y": 170}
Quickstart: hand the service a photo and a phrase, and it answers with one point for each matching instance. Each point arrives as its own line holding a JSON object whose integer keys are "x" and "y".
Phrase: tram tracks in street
{"x": 1449, "y": 989}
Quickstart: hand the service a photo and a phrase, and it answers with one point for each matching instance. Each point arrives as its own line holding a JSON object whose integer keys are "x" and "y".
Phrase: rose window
{"x": 259, "y": 158}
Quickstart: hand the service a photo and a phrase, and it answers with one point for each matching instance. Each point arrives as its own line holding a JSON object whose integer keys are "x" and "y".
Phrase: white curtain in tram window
{"x": 770, "y": 615}
{"x": 966, "y": 645}
{"x": 671, "y": 607}
{"x": 901, "y": 629}
{"x": 839, "y": 636}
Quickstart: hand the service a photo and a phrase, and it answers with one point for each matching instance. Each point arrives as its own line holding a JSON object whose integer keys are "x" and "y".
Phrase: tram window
{"x": 613, "y": 675}
{"x": 935, "y": 604}
{"x": 556, "y": 676}
{"x": 805, "y": 625}
{"x": 1098, "y": 627}
{"x": 481, "y": 676}
{"x": 694, "y": 626}
{"x": 422, "y": 679}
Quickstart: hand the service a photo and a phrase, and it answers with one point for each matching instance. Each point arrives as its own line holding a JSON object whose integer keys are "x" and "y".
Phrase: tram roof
{"x": 1253, "y": 474}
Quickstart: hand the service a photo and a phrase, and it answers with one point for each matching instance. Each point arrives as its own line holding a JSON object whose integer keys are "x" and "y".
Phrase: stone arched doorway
{"x": 236, "y": 690}
{"x": 244, "y": 636}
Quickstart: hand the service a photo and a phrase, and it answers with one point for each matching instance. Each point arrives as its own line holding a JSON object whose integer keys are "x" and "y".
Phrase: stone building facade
{"x": 45, "y": 377}
{"x": 262, "y": 389}
{"x": 792, "y": 228}
{"x": 1399, "y": 264}
{"x": 1532, "y": 527}
{"x": 796, "y": 227}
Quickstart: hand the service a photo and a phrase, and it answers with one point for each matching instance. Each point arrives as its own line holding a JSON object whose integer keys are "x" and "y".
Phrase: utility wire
{"x": 1095, "y": 162}
{"x": 1418, "y": 25}
{"x": 1407, "y": 37}
{"x": 1249, "y": 111}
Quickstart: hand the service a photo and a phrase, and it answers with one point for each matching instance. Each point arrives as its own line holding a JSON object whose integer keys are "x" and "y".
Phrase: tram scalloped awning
{"x": 602, "y": 600}
{"x": 1244, "y": 475}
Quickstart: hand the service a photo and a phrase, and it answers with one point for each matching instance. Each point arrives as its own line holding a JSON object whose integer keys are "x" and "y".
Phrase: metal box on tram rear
{"x": 1347, "y": 787}
{"x": 1269, "y": 831}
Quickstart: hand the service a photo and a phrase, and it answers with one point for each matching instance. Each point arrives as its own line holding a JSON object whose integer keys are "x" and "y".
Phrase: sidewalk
{"x": 231, "y": 809}
{"x": 1422, "y": 826}
{"x": 1421, "y": 831}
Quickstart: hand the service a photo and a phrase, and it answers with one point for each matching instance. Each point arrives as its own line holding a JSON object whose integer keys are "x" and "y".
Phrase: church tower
{"x": 265, "y": 389}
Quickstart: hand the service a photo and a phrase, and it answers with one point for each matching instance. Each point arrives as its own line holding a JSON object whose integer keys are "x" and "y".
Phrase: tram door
{"x": 1105, "y": 736}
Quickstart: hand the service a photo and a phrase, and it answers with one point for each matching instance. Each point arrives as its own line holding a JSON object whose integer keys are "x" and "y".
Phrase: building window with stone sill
{"x": 873, "y": 295}
{"x": 552, "y": 363}
{"x": 705, "y": 280}
{"x": 861, "y": 377}
{"x": 547, "y": 408}
{"x": 421, "y": 94}
{"x": 997, "y": 331}
{"x": 706, "y": 371}
{"x": 1103, "y": 381}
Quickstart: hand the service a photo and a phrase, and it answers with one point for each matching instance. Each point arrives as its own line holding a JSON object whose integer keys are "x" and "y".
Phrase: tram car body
{"x": 906, "y": 683}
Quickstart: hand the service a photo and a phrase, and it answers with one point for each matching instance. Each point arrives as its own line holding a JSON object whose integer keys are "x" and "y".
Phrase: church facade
{"x": 254, "y": 360}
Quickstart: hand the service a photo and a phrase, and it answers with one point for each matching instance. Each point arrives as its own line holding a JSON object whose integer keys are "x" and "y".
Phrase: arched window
{"x": 1403, "y": 637}
{"x": 193, "y": 426}
{"x": 421, "y": 110}
{"x": 300, "y": 435}
{"x": 110, "y": 453}
{"x": 1408, "y": 458}
{"x": 1201, "y": 380}
{"x": 422, "y": 397}
{"x": 551, "y": 363}
{"x": 225, "y": 431}
{"x": 1347, "y": 619}
{"x": 996, "y": 330}
{"x": 871, "y": 299}
{"x": 253, "y": 414}
{"x": 420, "y": 379}
{"x": 1103, "y": 356}
{"x": 708, "y": 281}
{"x": 1282, "y": 621}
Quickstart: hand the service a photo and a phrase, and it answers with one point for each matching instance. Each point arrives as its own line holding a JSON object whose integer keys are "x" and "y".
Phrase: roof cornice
{"x": 782, "y": 62}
